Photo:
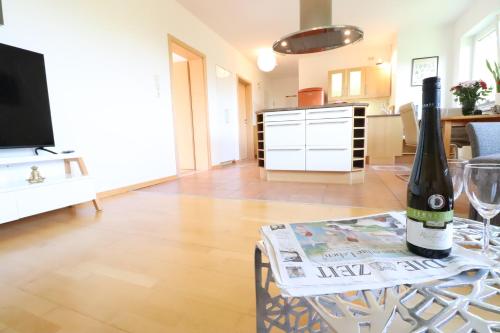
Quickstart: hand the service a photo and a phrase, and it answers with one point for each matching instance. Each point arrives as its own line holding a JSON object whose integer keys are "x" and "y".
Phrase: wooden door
{"x": 243, "y": 121}
{"x": 183, "y": 115}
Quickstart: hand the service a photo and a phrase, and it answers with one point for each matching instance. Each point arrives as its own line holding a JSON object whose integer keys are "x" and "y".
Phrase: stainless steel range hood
{"x": 317, "y": 33}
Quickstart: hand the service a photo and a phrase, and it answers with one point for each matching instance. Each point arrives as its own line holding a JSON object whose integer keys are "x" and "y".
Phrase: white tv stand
{"x": 19, "y": 199}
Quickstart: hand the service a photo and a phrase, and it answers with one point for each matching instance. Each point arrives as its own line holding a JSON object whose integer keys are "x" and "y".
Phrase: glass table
{"x": 468, "y": 302}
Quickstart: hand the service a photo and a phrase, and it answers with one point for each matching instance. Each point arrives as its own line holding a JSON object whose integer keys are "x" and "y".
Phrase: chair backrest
{"x": 410, "y": 125}
{"x": 484, "y": 138}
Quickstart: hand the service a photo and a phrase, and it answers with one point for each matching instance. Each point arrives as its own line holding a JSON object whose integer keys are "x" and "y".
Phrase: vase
{"x": 468, "y": 107}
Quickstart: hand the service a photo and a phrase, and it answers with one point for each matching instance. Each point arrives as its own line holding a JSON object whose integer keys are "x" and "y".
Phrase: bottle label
{"x": 430, "y": 230}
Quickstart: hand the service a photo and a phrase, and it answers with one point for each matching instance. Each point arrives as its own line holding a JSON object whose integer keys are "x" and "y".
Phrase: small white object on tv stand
{"x": 19, "y": 199}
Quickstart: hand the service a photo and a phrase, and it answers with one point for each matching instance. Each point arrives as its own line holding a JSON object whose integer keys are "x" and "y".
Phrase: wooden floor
{"x": 156, "y": 260}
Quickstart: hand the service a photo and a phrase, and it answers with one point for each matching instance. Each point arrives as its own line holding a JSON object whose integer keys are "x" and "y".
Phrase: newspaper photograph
{"x": 369, "y": 252}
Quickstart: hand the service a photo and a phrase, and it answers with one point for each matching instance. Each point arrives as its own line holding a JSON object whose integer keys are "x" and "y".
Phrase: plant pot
{"x": 468, "y": 107}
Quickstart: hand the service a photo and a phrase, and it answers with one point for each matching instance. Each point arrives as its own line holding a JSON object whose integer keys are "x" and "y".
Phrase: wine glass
{"x": 482, "y": 185}
{"x": 456, "y": 171}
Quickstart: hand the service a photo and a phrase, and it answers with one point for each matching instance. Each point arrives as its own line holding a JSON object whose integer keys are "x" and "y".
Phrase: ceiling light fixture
{"x": 317, "y": 33}
{"x": 347, "y": 41}
{"x": 266, "y": 60}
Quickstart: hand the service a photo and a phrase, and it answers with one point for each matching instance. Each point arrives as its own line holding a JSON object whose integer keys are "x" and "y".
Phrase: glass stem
{"x": 486, "y": 235}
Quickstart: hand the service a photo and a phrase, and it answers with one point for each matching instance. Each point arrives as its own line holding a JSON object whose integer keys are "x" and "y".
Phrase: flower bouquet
{"x": 495, "y": 71}
{"x": 468, "y": 93}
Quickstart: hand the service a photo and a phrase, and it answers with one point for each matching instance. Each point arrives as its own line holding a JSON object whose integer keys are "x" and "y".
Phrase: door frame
{"x": 250, "y": 115}
{"x": 172, "y": 42}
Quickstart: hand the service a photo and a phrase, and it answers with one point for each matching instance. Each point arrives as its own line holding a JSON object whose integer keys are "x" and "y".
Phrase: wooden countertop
{"x": 333, "y": 105}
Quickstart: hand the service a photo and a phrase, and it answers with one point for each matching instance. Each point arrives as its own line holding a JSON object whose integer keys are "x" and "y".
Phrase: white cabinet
{"x": 8, "y": 207}
{"x": 328, "y": 159}
{"x": 285, "y": 133}
{"x": 60, "y": 189}
{"x": 319, "y": 139}
{"x": 329, "y": 132}
{"x": 40, "y": 198}
{"x": 286, "y": 158}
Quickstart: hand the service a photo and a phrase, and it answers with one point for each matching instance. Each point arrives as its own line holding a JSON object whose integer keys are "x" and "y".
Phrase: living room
{"x": 147, "y": 145}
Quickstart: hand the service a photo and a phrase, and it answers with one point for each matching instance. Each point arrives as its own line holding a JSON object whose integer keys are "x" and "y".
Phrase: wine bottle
{"x": 429, "y": 217}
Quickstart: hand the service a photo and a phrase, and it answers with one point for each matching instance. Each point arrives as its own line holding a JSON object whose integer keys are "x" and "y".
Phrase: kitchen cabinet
{"x": 318, "y": 139}
{"x": 377, "y": 81}
{"x": 323, "y": 144}
{"x": 360, "y": 82}
{"x": 328, "y": 159}
{"x": 285, "y": 133}
{"x": 291, "y": 158}
{"x": 329, "y": 132}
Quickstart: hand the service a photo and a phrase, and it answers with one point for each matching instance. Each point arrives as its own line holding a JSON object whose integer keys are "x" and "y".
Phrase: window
{"x": 485, "y": 47}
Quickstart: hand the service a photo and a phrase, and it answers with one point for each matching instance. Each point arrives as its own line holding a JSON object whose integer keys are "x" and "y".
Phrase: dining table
{"x": 449, "y": 122}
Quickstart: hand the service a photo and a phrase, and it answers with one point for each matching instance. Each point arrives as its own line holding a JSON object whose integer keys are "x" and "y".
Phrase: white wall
{"x": 418, "y": 42}
{"x": 473, "y": 19}
{"x": 279, "y": 88}
{"x": 313, "y": 69}
{"x": 108, "y": 77}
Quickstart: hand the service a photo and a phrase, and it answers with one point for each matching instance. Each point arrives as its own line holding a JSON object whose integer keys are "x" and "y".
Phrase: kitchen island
{"x": 320, "y": 144}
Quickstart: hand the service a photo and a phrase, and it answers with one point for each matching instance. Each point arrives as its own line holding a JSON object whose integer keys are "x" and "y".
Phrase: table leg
{"x": 447, "y": 137}
{"x": 259, "y": 292}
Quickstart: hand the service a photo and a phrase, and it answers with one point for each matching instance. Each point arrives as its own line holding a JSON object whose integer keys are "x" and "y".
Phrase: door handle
{"x": 282, "y": 114}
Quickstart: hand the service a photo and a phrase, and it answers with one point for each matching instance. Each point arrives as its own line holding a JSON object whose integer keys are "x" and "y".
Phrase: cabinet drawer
{"x": 329, "y": 113}
{"x": 328, "y": 159}
{"x": 8, "y": 207}
{"x": 286, "y": 158}
{"x": 329, "y": 132}
{"x": 45, "y": 197}
{"x": 285, "y": 133}
{"x": 284, "y": 115}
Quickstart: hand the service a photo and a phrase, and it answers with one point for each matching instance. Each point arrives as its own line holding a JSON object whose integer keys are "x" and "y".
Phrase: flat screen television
{"x": 25, "y": 119}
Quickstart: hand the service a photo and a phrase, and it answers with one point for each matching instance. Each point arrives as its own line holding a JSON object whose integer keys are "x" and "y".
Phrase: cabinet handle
{"x": 295, "y": 149}
{"x": 281, "y": 114}
{"x": 330, "y": 148}
{"x": 327, "y": 122}
{"x": 283, "y": 124}
{"x": 323, "y": 111}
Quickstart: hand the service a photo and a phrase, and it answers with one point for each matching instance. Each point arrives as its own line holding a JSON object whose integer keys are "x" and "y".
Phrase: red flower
{"x": 483, "y": 84}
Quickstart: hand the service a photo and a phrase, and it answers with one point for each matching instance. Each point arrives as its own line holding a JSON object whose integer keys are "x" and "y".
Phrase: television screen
{"x": 24, "y": 100}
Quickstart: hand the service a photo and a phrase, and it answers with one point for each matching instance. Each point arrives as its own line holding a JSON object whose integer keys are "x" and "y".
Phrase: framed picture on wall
{"x": 422, "y": 68}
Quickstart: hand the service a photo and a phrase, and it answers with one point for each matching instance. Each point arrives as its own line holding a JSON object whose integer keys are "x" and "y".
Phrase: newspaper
{"x": 369, "y": 252}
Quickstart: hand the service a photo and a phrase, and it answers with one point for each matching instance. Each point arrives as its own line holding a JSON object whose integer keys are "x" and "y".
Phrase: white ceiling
{"x": 252, "y": 24}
